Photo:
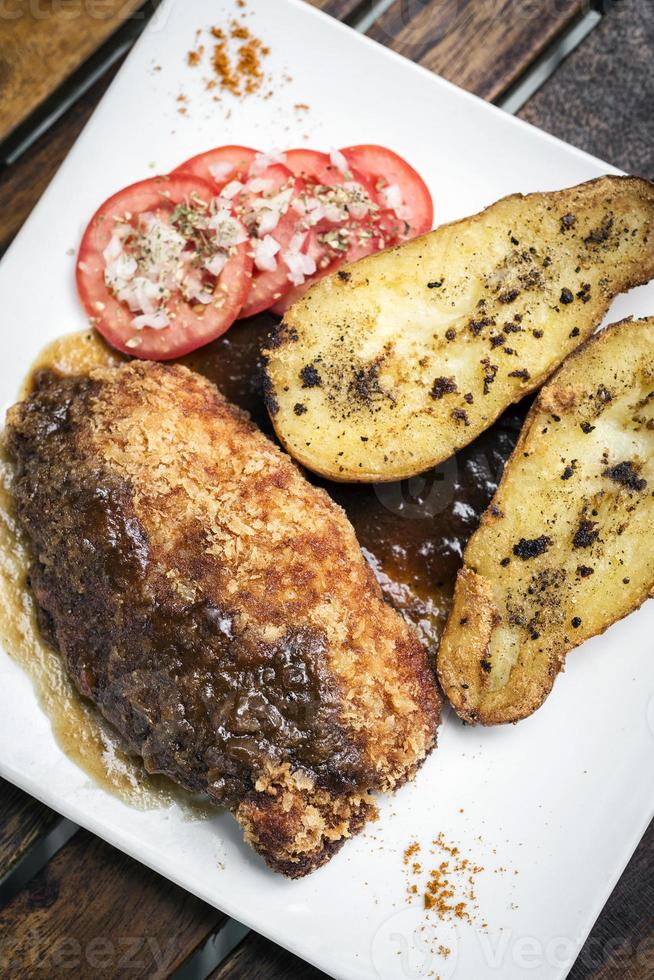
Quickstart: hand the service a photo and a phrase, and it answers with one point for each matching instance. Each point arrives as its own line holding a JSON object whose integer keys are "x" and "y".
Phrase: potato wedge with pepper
{"x": 564, "y": 549}
{"x": 393, "y": 363}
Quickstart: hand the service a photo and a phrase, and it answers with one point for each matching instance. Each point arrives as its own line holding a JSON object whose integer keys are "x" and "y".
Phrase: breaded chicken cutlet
{"x": 216, "y": 607}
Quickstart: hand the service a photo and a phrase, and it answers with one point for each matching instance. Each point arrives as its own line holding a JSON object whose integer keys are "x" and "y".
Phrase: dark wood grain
{"x": 22, "y": 184}
{"x": 259, "y": 959}
{"x": 23, "y": 822}
{"x": 481, "y": 45}
{"x": 93, "y": 912}
{"x": 621, "y": 946}
{"x": 41, "y": 45}
{"x": 602, "y": 97}
{"x": 341, "y": 9}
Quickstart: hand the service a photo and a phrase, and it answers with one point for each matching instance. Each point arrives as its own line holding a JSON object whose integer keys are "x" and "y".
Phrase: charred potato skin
{"x": 538, "y": 581}
{"x": 390, "y": 365}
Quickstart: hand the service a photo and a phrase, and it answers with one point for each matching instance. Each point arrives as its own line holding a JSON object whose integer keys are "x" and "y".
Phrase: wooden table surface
{"x": 69, "y": 903}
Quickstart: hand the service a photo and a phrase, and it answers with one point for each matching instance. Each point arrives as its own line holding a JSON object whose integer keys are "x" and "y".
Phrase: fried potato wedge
{"x": 564, "y": 549}
{"x": 393, "y": 363}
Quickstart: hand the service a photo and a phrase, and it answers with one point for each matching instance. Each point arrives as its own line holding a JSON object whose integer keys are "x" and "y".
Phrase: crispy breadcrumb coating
{"x": 216, "y": 606}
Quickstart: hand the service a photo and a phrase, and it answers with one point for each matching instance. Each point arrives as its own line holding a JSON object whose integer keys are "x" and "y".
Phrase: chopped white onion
{"x": 392, "y": 198}
{"x": 359, "y": 202}
{"x": 338, "y": 160}
{"x": 229, "y": 191}
{"x": 141, "y": 294}
{"x": 299, "y": 267}
{"x": 156, "y": 321}
{"x": 114, "y": 249}
{"x": 229, "y": 231}
{"x": 221, "y": 171}
{"x": 195, "y": 290}
{"x": 299, "y": 264}
{"x": 259, "y": 185}
{"x": 334, "y": 212}
{"x": 267, "y": 221}
{"x": 216, "y": 264}
{"x": 269, "y": 210}
{"x": 297, "y": 241}
{"x": 262, "y": 161}
{"x": 147, "y": 217}
{"x": 122, "y": 267}
{"x": 265, "y": 250}
{"x": 279, "y": 201}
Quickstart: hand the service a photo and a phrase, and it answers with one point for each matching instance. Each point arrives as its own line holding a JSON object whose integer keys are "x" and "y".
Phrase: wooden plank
{"x": 41, "y": 45}
{"x": 23, "y": 823}
{"x": 93, "y": 912}
{"x": 341, "y": 8}
{"x": 258, "y": 958}
{"x": 621, "y": 946}
{"x": 22, "y": 184}
{"x": 601, "y": 97}
{"x": 481, "y": 45}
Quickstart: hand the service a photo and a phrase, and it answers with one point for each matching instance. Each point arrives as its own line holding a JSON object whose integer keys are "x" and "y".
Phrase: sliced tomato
{"x": 320, "y": 171}
{"x": 370, "y": 235}
{"x": 270, "y": 286}
{"x": 388, "y": 180}
{"x": 315, "y": 167}
{"x": 387, "y": 170}
{"x": 220, "y": 165}
{"x": 280, "y": 306}
{"x": 373, "y": 232}
{"x": 226, "y": 164}
{"x": 191, "y": 324}
{"x": 270, "y": 181}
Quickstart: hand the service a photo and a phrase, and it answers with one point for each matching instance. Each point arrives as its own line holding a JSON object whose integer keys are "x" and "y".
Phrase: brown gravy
{"x": 413, "y": 533}
{"x": 78, "y": 727}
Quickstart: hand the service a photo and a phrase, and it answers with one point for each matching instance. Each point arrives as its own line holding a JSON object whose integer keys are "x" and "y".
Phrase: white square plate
{"x": 564, "y": 797}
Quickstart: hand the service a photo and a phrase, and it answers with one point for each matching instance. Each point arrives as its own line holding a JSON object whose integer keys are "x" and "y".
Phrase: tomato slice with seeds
{"x": 404, "y": 205}
{"x": 272, "y": 229}
{"x": 220, "y": 165}
{"x": 381, "y": 231}
{"x": 159, "y": 272}
{"x": 396, "y": 184}
{"x": 341, "y": 214}
{"x": 264, "y": 204}
{"x": 315, "y": 167}
{"x": 271, "y": 285}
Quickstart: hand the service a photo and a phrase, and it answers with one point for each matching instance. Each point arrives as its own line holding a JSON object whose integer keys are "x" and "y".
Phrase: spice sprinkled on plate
{"x": 235, "y": 56}
{"x": 445, "y": 881}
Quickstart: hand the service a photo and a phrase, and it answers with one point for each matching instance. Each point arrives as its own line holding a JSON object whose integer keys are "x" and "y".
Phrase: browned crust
{"x": 285, "y": 335}
{"x": 473, "y": 598}
{"x": 162, "y": 520}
